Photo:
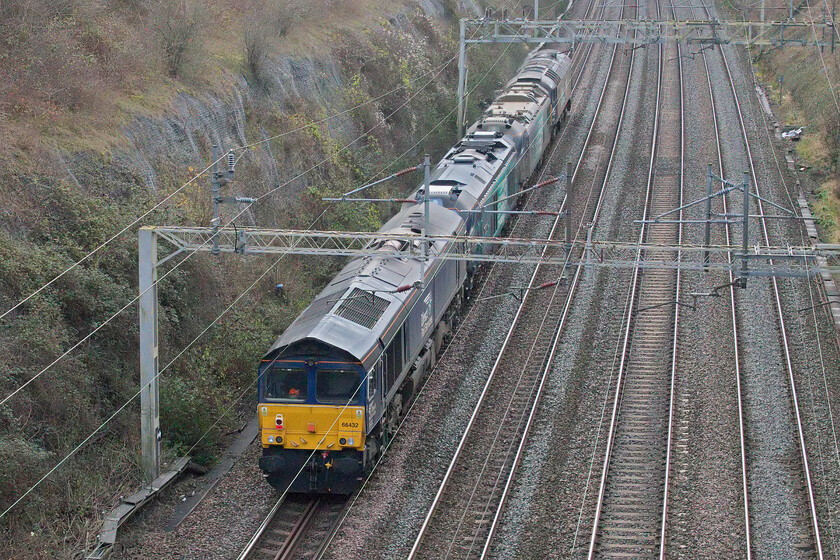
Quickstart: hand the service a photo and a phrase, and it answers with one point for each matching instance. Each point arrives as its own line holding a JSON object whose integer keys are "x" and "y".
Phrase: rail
{"x": 546, "y": 363}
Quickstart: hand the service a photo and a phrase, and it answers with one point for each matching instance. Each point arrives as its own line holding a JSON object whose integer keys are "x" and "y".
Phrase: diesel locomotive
{"x": 333, "y": 387}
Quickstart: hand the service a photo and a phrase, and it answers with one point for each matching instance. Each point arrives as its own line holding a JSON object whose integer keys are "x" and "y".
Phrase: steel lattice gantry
{"x": 762, "y": 261}
{"x": 637, "y": 32}
{"x": 645, "y": 32}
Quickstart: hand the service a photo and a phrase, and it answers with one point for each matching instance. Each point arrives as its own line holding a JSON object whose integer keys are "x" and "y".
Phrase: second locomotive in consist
{"x": 334, "y": 385}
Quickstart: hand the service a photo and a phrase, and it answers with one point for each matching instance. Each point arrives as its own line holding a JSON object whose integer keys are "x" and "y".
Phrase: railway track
{"x": 807, "y": 541}
{"x": 632, "y": 503}
{"x": 297, "y": 527}
{"x": 734, "y": 325}
{"x": 632, "y": 507}
{"x": 803, "y": 527}
{"x": 641, "y": 432}
{"x": 466, "y": 510}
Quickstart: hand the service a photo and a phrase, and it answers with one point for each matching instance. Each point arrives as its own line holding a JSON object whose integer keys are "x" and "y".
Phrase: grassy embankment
{"x": 78, "y": 75}
{"x": 805, "y": 99}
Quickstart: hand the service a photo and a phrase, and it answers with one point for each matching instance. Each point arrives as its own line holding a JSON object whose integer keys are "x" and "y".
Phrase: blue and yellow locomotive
{"x": 335, "y": 384}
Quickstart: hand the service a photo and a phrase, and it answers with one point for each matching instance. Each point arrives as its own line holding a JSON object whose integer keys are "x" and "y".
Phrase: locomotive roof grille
{"x": 514, "y": 96}
{"x": 483, "y": 144}
{"x": 363, "y": 308}
{"x": 447, "y": 183}
{"x": 440, "y": 190}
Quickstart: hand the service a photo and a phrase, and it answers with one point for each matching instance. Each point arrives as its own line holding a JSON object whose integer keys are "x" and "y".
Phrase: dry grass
{"x": 827, "y": 209}
{"x": 77, "y": 70}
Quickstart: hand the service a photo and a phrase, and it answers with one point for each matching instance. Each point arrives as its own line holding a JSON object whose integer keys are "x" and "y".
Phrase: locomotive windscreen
{"x": 286, "y": 383}
{"x": 337, "y": 386}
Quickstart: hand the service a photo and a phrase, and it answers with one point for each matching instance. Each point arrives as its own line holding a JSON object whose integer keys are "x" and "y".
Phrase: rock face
{"x": 196, "y": 121}
{"x": 374, "y": 98}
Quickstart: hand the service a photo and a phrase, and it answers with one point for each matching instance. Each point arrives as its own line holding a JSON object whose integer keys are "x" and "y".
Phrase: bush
{"x": 178, "y": 27}
{"x": 261, "y": 26}
{"x": 19, "y": 461}
{"x": 257, "y": 49}
{"x": 187, "y": 415}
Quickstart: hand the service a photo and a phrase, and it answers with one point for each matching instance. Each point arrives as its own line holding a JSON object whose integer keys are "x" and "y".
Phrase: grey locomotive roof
{"x": 542, "y": 66}
{"x": 467, "y": 169}
{"x": 515, "y": 108}
{"x": 474, "y": 161}
{"x": 354, "y": 310}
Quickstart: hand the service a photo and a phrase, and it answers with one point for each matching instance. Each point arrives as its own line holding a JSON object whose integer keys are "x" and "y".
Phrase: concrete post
{"x": 462, "y": 67}
{"x": 568, "y": 216}
{"x": 707, "y": 238}
{"x": 149, "y": 404}
{"x": 746, "y": 239}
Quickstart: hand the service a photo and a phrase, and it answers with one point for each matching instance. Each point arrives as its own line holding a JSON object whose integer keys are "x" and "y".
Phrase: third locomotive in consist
{"x": 334, "y": 385}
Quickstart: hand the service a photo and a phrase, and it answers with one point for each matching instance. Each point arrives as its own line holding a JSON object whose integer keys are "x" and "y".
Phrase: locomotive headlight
{"x": 342, "y": 441}
{"x": 351, "y": 441}
{"x": 270, "y": 439}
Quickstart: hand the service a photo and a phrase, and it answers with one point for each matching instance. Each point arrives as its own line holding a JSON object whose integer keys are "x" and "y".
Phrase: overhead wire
{"x": 246, "y": 208}
{"x": 142, "y": 388}
{"x": 124, "y": 405}
{"x": 378, "y": 173}
{"x": 441, "y": 121}
{"x": 201, "y": 173}
{"x": 479, "y": 298}
{"x": 109, "y": 240}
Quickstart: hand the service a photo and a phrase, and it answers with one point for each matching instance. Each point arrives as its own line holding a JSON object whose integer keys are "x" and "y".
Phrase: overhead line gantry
{"x": 774, "y": 34}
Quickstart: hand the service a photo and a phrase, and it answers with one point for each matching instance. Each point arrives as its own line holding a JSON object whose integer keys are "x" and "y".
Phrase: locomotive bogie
{"x": 329, "y": 472}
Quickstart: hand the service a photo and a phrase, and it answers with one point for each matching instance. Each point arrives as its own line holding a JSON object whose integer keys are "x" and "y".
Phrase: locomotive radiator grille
{"x": 363, "y": 308}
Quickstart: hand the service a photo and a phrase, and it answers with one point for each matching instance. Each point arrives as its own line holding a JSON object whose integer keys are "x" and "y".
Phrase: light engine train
{"x": 333, "y": 387}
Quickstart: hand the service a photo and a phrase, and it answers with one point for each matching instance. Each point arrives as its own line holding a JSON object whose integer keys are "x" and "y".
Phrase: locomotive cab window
{"x": 394, "y": 359}
{"x": 337, "y": 386}
{"x": 372, "y": 379}
{"x": 286, "y": 383}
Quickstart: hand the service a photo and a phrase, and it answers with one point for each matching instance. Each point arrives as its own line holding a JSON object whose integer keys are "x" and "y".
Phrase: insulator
{"x": 231, "y": 161}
